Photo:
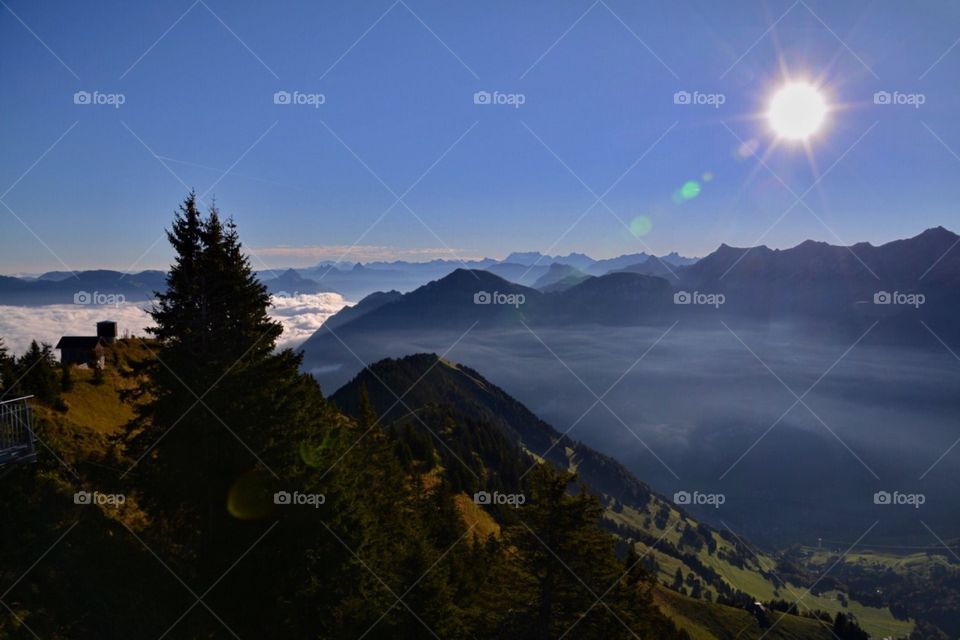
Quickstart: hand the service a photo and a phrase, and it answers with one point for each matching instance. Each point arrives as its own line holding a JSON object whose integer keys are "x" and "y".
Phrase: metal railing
{"x": 16, "y": 431}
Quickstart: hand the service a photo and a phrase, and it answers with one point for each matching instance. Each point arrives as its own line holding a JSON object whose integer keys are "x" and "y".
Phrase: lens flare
{"x": 251, "y": 496}
{"x": 641, "y": 226}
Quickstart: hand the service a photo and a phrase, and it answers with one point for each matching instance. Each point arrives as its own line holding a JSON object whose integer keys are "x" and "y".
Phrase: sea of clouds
{"x": 300, "y": 316}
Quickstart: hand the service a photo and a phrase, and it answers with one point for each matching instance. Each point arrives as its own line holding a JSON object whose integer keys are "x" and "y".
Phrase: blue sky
{"x": 598, "y": 79}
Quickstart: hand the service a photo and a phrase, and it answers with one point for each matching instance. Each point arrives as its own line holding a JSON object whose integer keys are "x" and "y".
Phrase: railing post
{"x": 16, "y": 431}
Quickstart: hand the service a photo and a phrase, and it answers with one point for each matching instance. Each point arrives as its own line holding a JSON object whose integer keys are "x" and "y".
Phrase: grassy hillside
{"x": 93, "y": 411}
{"x": 924, "y": 585}
{"x": 99, "y": 407}
{"x": 708, "y": 621}
{"x": 482, "y": 524}
{"x": 750, "y": 571}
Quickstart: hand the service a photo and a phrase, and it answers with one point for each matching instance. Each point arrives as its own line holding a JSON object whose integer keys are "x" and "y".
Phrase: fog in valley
{"x": 692, "y": 413}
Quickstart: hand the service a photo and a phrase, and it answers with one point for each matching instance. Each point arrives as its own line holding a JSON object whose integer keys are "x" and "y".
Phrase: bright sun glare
{"x": 796, "y": 111}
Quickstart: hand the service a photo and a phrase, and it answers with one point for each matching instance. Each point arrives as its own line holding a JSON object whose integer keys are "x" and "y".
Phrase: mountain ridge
{"x": 718, "y": 565}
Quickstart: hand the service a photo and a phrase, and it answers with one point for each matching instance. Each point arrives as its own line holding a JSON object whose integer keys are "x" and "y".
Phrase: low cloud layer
{"x": 300, "y": 315}
{"x": 20, "y": 325}
{"x": 303, "y": 314}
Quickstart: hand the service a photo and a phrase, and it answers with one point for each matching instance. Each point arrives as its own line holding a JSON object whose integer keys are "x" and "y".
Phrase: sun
{"x": 797, "y": 111}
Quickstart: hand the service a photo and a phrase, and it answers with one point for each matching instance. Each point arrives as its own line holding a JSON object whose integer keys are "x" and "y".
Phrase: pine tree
{"x": 216, "y": 368}
{"x": 846, "y": 628}
{"x": 35, "y": 371}
{"x": 678, "y": 579}
{"x": 177, "y": 315}
{"x": 563, "y": 562}
{"x": 375, "y": 514}
{"x": 220, "y": 401}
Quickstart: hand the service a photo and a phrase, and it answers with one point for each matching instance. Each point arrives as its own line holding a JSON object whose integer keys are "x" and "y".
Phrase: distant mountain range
{"x": 589, "y": 265}
{"x": 353, "y": 281}
{"x": 906, "y": 280}
{"x": 82, "y": 287}
{"x": 901, "y": 281}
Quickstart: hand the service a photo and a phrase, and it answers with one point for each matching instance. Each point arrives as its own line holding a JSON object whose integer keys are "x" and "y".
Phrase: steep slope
{"x": 705, "y": 621}
{"x": 457, "y": 300}
{"x": 616, "y": 298}
{"x": 370, "y": 303}
{"x": 448, "y": 397}
{"x": 471, "y": 396}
